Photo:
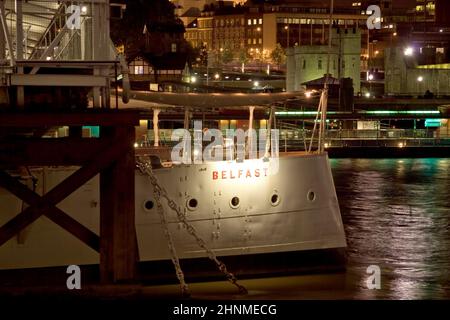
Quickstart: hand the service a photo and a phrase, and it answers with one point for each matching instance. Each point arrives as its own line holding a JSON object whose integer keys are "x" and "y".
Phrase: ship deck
{"x": 163, "y": 153}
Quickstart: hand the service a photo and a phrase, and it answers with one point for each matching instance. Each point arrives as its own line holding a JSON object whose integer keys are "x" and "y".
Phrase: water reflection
{"x": 397, "y": 214}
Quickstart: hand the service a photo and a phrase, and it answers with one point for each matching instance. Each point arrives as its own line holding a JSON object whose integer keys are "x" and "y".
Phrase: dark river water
{"x": 396, "y": 214}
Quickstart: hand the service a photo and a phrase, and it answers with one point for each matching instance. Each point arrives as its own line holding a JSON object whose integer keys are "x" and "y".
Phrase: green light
{"x": 432, "y": 123}
{"x": 295, "y": 113}
{"x": 374, "y": 112}
{"x": 401, "y": 112}
{"x": 378, "y": 112}
{"x": 444, "y": 66}
{"x": 301, "y": 113}
{"x": 94, "y": 130}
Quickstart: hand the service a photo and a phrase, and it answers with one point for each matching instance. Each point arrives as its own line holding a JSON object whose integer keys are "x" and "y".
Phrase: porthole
{"x": 275, "y": 199}
{"x": 149, "y": 205}
{"x": 311, "y": 196}
{"x": 192, "y": 204}
{"x": 234, "y": 202}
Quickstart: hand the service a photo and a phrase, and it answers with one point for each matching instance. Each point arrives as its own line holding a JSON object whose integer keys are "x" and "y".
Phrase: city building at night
{"x": 309, "y": 62}
{"x": 199, "y": 32}
{"x": 405, "y": 76}
{"x": 258, "y": 29}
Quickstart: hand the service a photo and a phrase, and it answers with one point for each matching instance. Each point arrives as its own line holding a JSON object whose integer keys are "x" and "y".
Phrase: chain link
{"x": 173, "y": 253}
{"x": 146, "y": 168}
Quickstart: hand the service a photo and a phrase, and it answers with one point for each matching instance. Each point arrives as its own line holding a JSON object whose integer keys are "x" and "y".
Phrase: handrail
{"x": 61, "y": 11}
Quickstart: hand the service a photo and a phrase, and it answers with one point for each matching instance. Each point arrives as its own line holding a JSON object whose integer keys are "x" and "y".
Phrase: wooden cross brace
{"x": 46, "y": 205}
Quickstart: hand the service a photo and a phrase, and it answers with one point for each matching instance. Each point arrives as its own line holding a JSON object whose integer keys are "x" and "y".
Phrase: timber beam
{"x": 112, "y": 156}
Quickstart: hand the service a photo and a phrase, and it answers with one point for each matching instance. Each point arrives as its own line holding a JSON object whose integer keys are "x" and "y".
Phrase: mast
{"x": 323, "y": 105}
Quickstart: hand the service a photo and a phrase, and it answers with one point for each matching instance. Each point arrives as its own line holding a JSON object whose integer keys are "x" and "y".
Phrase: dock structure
{"x": 62, "y": 63}
{"x": 111, "y": 155}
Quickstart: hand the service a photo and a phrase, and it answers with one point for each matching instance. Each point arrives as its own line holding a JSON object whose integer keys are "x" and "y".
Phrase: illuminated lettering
{"x": 240, "y": 174}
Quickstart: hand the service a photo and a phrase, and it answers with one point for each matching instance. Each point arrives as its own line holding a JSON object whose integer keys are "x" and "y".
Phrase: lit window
{"x": 138, "y": 69}
{"x": 249, "y": 22}
{"x": 254, "y": 21}
{"x": 260, "y": 21}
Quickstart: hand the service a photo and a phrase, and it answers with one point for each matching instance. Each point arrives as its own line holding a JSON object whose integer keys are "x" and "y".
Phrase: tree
{"x": 203, "y": 55}
{"x": 192, "y": 54}
{"x": 243, "y": 57}
{"x": 278, "y": 55}
{"x": 227, "y": 55}
{"x": 141, "y": 15}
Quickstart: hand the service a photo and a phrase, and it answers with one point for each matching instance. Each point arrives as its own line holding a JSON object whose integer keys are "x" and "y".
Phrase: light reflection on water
{"x": 397, "y": 215}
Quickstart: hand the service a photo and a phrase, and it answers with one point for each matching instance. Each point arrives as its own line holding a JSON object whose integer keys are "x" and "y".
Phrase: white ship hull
{"x": 304, "y": 215}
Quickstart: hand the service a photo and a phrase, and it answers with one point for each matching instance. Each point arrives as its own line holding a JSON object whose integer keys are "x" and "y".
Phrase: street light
{"x": 287, "y": 31}
{"x": 419, "y": 81}
{"x": 409, "y": 51}
{"x": 370, "y": 84}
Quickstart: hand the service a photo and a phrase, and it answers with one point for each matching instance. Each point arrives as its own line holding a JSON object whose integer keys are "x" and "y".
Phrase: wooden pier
{"x": 111, "y": 155}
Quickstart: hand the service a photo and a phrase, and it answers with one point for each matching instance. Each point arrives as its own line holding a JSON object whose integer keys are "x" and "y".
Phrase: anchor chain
{"x": 146, "y": 168}
{"x": 173, "y": 253}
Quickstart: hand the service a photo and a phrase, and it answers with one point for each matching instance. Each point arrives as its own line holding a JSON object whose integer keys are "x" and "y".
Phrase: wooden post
{"x": 118, "y": 245}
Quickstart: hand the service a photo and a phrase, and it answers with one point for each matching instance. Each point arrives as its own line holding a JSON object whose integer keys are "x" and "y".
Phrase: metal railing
{"x": 292, "y": 139}
{"x": 54, "y": 28}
